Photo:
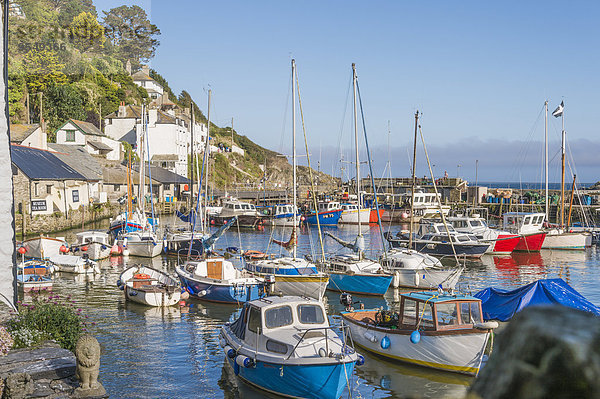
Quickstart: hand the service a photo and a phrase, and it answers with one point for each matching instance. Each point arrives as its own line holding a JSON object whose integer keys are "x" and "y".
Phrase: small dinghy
{"x": 149, "y": 286}
{"x": 432, "y": 329}
{"x": 285, "y": 345}
{"x": 74, "y": 264}
{"x": 34, "y": 275}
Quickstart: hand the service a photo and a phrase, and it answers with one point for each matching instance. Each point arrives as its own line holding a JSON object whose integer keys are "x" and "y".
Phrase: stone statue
{"x": 87, "y": 352}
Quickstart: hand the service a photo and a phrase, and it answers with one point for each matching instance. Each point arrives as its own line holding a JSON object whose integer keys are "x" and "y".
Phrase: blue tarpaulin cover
{"x": 498, "y": 304}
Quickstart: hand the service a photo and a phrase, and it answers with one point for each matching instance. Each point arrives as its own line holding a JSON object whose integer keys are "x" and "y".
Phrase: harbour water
{"x": 174, "y": 352}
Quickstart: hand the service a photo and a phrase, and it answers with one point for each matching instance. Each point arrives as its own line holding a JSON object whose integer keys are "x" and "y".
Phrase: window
{"x": 254, "y": 319}
{"x": 527, "y": 220}
{"x": 115, "y": 187}
{"x": 277, "y": 347}
{"x": 70, "y": 136}
{"x": 49, "y": 189}
{"x": 446, "y": 314}
{"x": 409, "y": 315}
{"x": 426, "y": 316}
{"x": 35, "y": 189}
{"x": 475, "y": 223}
{"x": 310, "y": 314}
{"x": 278, "y": 317}
{"x": 469, "y": 313}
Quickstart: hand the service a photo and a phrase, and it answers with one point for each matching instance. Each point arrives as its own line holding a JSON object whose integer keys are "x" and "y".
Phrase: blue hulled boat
{"x": 217, "y": 280}
{"x": 350, "y": 273}
{"x": 285, "y": 345}
{"x": 329, "y": 214}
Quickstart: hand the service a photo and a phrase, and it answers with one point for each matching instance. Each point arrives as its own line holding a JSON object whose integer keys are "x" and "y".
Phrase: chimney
{"x": 122, "y": 111}
{"x": 146, "y": 69}
{"x": 128, "y": 67}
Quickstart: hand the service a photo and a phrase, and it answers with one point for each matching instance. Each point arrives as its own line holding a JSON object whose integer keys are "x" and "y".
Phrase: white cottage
{"x": 142, "y": 78}
{"x": 29, "y": 135}
{"x": 74, "y": 132}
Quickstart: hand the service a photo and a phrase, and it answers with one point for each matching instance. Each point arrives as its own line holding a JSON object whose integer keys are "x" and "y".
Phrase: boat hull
{"x": 453, "y": 351}
{"x": 443, "y": 248}
{"x": 182, "y": 247}
{"x": 567, "y": 241}
{"x": 298, "y": 381}
{"x": 215, "y": 291}
{"x": 373, "y": 215}
{"x": 353, "y": 216}
{"x": 243, "y": 221}
{"x": 504, "y": 244}
{"x": 531, "y": 242}
{"x": 427, "y": 278}
{"x": 157, "y": 299}
{"x": 326, "y": 218}
{"x": 144, "y": 249}
{"x": 363, "y": 284}
{"x": 42, "y": 247}
{"x": 34, "y": 283}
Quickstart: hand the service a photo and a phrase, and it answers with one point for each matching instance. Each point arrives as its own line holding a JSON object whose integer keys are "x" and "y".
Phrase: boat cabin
{"x": 88, "y": 237}
{"x": 213, "y": 268}
{"x": 432, "y": 311}
{"x": 467, "y": 224}
{"x": 285, "y": 209}
{"x": 329, "y": 206}
{"x": 283, "y": 266}
{"x": 235, "y": 207}
{"x": 523, "y": 222}
{"x": 350, "y": 207}
{"x": 269, "y": 318}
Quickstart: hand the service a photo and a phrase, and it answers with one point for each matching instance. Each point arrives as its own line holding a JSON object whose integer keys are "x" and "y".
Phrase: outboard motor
{"x": 269, "y": 284}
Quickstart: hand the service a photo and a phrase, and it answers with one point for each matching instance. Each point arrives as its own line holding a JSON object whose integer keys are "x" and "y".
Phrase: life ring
{"x": 255, "y": 255}
{"x": 141, "y": 276}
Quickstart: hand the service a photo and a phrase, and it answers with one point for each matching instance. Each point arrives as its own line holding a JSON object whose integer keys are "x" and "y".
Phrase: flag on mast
{"x": 559, "y": 110}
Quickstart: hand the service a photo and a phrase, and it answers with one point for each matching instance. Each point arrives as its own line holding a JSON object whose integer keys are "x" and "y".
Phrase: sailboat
{"x": 353, "y": 273}
{"x": 144, "y": 242}
{"x": 293, "y": 275}
{"x": 561, "y": 237}
{"x": 179, "y": 240}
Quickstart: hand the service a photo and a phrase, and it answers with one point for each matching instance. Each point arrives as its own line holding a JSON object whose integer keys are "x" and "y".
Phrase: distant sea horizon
{"x": 531, "y": 186}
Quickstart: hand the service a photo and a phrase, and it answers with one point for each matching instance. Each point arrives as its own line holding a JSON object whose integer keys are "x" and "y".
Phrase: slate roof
{"x": 141, "y": 75}
{"x": 42, "y": 165}
{"x": 19, "y": 132}
{"x": 87, "y": 127}
{"x": 131, "y": 111}
{"x": 79, "y": 159}
{"x": 164, "y": 176}
{"x": 165, "y": 157}
{"x": 99, "y": 145}
{"x": 117, "y": 174}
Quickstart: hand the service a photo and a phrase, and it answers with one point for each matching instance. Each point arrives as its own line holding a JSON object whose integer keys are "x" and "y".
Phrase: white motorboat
{"x": 96, "y": 244}
{"x": 143, "y": 243}
{"x": 43, "y": 247}
{"x": 293, "y": 276}
{"x": 561, "y": 239}
{"x": 412, "y": 269}
{"x": 285, "y": 345}
{"x": 74, "y": 264}
{"x": 246, "y": 213}
{"x": 439, "y": 331}
{"x": 149, "y": 286}
{"x": 283, "y": 216}
{"x": 354, "y": 214}
{"x": 503, "y": 242}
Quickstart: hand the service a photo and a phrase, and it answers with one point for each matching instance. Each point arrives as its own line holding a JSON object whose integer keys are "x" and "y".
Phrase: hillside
{"x": 64, "y": 61}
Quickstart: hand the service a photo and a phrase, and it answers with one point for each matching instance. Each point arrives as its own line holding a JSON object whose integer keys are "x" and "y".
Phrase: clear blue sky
{"x": 479, "y": 71}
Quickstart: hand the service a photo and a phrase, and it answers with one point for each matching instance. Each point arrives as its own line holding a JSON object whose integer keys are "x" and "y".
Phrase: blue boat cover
{"x": 498, "y": 304}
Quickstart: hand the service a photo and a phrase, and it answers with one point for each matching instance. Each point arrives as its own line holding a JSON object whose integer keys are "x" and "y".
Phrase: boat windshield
{"x": 254, "y": 319}
{"x": 310, "y": 314}
{"x": 278, "y": 317}
{"x": 446, "y": 314}
{"x": 469, "y": 313}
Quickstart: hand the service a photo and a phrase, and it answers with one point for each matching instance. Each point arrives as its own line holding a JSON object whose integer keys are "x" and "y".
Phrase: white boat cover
{"x": 8, "y": 269}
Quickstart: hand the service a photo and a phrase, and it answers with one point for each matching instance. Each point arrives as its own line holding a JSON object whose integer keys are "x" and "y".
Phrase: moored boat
{"x": 74, "y": 264}
{"x": 43, "y": 247}
{"x": 216, "y": 279}
{"x": 329, "y": 214}
{"x": 503, "y": 242}
{"x": 353, "y": 274}
{"x": 439, "y": 331}
{"x": 285, "y": 345}
{"x": 529, "y": 226}
{"x": 96, "y": 244}
{"x": 246, "y": 213}
{"x": 143, "y": 243}
{"x": 34, "y": 275}
{"x": 412, "y": 269}
{"x": 148, "y": 286}
{"x": 354, "y": 214}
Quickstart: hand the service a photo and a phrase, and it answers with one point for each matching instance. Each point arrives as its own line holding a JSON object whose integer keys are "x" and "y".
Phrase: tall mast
{"x": 192, "y": 151}
{"x": 546, "y": 156}
{"x": 562, "y": 178}
{"x": 414, "y": 165}
{"x": 356, "y": 145}
{"x": 294, "y": 195}
{"x": 207, "y": 158}
{"x": 142, "y": 188}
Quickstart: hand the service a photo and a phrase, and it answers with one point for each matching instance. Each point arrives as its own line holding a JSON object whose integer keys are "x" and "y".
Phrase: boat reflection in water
{"x": 394, "y": 379}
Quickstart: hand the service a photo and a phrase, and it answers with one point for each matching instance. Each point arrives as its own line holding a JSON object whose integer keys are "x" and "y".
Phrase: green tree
{"x": 185, "y": 100}
{"x": 42, "y": 69}
{"x": 16, "y": 91}
{"x": 61, "y": 103}
{"x": 86, "y": 33}
{"x": 69, "y": 9}
{"x": 131, "y": 34}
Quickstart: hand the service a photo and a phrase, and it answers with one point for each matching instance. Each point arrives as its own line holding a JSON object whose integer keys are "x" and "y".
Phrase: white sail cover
{"x": 8, "y": 284}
